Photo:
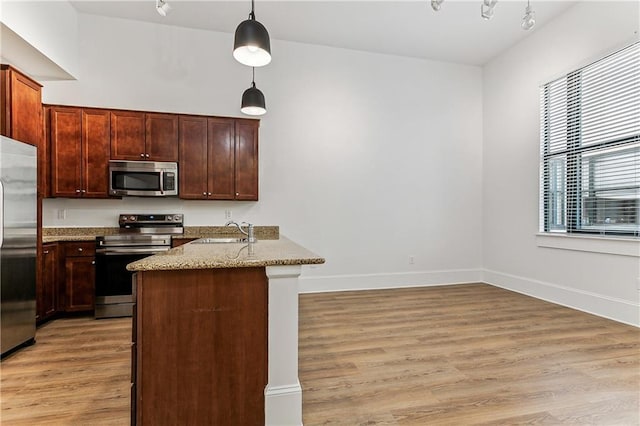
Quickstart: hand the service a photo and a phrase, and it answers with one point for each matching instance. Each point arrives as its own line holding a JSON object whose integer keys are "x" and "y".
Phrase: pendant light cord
{"x": 253, "y": 77}
{"x": 252, "y": 15}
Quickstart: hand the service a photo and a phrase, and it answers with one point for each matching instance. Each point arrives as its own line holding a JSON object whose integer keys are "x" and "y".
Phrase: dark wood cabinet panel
{"x": 217, "y": 372}
{"x": 221, "y": 154}
{"x": 96, "y": 138}
{"x": 79, "y": 268}
{"x": 66, "y": 167}
{"x": 20, "y": 106}
{"x": 79, "y": 144}
{"x": 127, "y": 135}
{"x": 48, "y": 288}
{"x": 175, "y": 242}
{"x": 192, "y": 175}
{"x": 161, "y": 141}
{"x": 246, "y": 160}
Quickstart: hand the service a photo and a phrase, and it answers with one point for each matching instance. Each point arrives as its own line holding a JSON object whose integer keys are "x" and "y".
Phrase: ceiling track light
{"x": 253, "y": 99}
{"x": 162, "y": 7}
{"x": 486, "y": 8}
{"x": 436, "y": 4}
{"x": 251, "y": 45}
{"x": 529, "y": 18}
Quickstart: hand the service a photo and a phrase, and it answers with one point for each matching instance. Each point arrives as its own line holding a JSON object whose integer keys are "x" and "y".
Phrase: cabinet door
{"x": 96, "y": 134}
{"x": 192, "y": 177}
{"x": 220, "y": 136}
{"x": 127, "y": 135}
{"x": 66, "y": 168}
{"x": 80, "y": 283}
{"x": 246, "y": 160}
{"x": 21, "y": 107}
{"x": 47, "y": 291}
{"x": 161, "y": 139}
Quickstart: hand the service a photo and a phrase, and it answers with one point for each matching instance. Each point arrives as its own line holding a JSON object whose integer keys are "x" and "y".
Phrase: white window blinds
{"x": 590, "y": 148}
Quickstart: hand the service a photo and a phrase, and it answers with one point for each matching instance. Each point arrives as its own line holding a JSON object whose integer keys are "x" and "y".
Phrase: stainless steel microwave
{"x": 143, "y": 178}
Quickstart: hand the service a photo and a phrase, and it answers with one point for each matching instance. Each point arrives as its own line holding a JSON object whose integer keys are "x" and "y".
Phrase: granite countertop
{"x": 52, "y": 234}
{"x": 193, "y": 255}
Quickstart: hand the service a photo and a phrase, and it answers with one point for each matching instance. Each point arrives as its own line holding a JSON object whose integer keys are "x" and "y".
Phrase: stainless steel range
{"x": 140, "y": 235}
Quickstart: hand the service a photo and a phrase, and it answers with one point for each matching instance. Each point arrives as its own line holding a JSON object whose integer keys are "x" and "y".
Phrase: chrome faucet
{"x": 249, "y": 232}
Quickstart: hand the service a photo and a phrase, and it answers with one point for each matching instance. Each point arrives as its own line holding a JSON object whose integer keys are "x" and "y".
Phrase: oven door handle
{"x": 120, "y": 251}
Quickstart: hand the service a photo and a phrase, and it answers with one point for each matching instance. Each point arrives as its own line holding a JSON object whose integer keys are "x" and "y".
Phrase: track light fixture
{"x": 486, "y": 8}
{"x": 253, "y": 99}
{"x": 251, "y": 44}
{"x": 436, "y": 4}
{"x": 162, "y": 7}
{"x": 529, "y": 18}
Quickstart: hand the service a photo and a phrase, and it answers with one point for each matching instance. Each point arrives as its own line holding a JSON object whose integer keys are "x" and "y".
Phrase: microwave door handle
{"x": 162, "y": 181}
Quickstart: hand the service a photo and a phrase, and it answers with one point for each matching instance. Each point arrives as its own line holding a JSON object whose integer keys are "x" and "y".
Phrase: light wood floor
{"x": 457, "y": 355}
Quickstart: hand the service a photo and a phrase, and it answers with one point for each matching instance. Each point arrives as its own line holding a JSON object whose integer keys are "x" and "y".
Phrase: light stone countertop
{"x": 228, "y": 255}
{"x": 54, "y": 234}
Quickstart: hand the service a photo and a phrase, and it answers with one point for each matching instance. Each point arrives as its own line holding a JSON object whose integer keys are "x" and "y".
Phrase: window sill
{"x": 610, "y": 245}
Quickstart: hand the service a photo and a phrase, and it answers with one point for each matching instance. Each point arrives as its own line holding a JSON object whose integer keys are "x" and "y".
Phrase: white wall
{"x": 364, "y": 158}
{"x": 605, "y": 284}
{"x": 42, "y": 39}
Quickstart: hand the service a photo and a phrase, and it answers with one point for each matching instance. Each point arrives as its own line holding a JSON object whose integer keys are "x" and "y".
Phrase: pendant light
{"x": 253, "y": 99}
{"x": 251, "y": 45}
{"x": 529, "y": 18}
{"x": 162, "y": 7}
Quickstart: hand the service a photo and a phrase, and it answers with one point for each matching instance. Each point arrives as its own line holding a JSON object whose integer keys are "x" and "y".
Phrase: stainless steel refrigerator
{"x": 18, "y": 171}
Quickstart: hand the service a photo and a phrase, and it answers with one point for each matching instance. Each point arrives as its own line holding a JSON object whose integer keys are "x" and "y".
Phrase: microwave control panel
{"x": 169, "y": 181}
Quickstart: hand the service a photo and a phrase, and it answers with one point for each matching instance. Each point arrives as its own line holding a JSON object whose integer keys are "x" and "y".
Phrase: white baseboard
{"x": 392, "y": 280}
{"x": 597, "y": 304}
{"x": 283, "y": 405}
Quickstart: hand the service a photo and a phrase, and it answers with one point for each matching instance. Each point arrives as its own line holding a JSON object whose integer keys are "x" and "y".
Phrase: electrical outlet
{"x": 411, "y": 259}
{"x": 228, "y": 214}
{"x": 62, "y": 214}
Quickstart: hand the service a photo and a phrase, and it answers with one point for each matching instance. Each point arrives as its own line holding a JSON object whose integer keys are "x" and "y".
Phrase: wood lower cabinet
{"x": 218, "y": 158}
{"x": 20, "y": 106}
{"x": 175, "y": 242}
{"x": 79, "y": 268}
{"x": 48, "y": 284}
{"x": 144, "y": 136}
{"x": 80, "y": 148}
{"x": 200, "y": 347}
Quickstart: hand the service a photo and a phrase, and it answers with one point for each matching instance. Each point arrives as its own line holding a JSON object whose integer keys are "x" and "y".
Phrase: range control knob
{"x": 176, "y": 218}
{"x": 132, "y": 218}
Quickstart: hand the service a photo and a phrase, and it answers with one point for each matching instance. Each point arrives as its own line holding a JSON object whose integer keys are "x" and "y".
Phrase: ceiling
{"x": 456, "y": 33}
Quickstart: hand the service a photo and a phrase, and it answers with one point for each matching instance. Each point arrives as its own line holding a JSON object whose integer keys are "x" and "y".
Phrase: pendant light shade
{"x": 251, "y": 45}
{"x": 253, "y": 100}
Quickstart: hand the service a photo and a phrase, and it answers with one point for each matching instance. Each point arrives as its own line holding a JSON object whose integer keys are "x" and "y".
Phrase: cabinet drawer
{"x": 80, "y": 248}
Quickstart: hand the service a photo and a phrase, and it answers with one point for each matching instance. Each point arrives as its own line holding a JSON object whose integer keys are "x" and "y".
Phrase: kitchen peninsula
{"x": 215, "y": 334}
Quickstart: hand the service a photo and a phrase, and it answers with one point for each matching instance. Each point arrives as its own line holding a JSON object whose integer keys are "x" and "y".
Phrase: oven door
{"x": 113, "y": 281}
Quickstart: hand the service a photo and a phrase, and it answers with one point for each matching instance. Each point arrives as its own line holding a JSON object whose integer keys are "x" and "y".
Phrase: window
{"x": 590, "y": 148}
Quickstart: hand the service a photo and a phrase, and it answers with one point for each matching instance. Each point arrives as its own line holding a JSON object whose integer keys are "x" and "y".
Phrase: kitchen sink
{"x": 219, "y": 240}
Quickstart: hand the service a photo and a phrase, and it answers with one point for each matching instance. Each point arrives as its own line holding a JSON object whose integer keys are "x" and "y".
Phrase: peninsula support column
{"x": 283, "y": 394}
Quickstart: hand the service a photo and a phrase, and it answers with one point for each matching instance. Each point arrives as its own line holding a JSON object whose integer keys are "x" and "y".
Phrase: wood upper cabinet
{"x": 79, "y": 139}
{"x": 161, "y": 137}
{"x": 127, "y": 135}
{"x": 246, "y": 160}
{"x": 47, "y": 289}
{"x": 192, "y": 142}
{"x": 218, "y": 158}
{"x": 221, "y": 138}
{"x": 144, "y": 136}
{"x": 20, "y": 106}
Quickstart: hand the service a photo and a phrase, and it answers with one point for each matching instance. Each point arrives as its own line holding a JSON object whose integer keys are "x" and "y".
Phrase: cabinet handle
{"x": 146, "y": 155}
{"x": 83, "y": 191}
{"x": 93, "y": 262}
{"x": 142, "y": 155}
{"x": 77, "y": 191}
{"x": 204, "y": 193}
{"x": 79, "y": 248}
{"x": 46, "y": 252}
{"x": 209, "y": 194}
{"x": 237, "y": 193}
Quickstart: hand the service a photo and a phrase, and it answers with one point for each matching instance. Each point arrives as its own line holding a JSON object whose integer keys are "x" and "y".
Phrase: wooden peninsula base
{"x": 215, "y": 342}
